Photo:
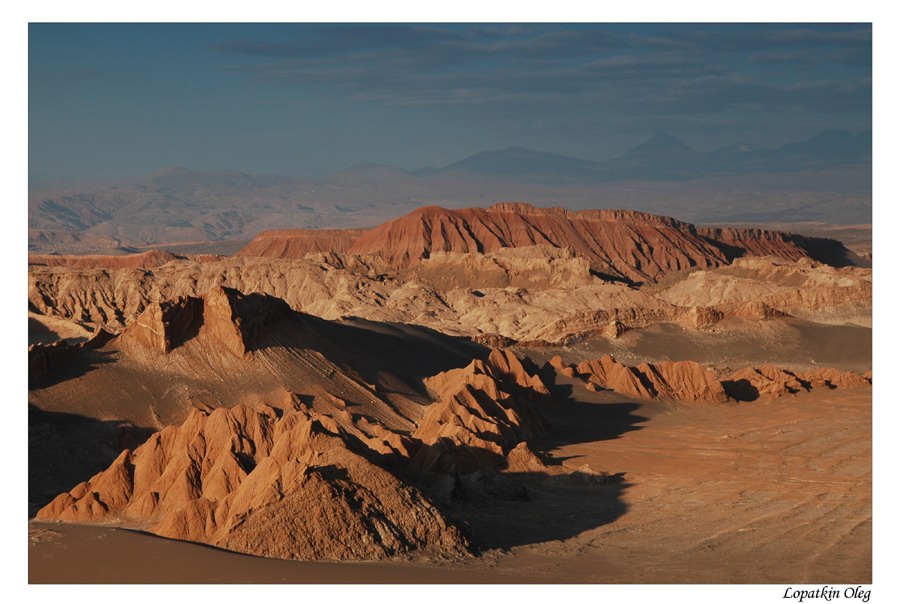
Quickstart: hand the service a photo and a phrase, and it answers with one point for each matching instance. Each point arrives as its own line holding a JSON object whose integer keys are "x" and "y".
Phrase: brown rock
{"x": 609, "y": 374}
{"x": 249, "y": 481}
{"x": 297, "y": 243}
{"x": 149, "y": 259}
{"x": 484, "y": 406}
{"x": 522, "y": 459}
{"x": 683, "y": 381}
{"x": 833, "y": 378}
{"x": 164, "y": 325}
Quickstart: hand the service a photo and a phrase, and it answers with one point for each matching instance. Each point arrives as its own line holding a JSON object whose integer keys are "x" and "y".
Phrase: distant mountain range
{"x": 664, "y": 157}
{"x": 825, "y": 178}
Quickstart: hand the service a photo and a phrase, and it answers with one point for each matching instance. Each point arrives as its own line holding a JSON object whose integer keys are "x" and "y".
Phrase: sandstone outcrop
{"x": 225, "y": 315}
{"x": 683, "y": 381}
{"x": 45, "y": 360}
{"x": 765, "y": 288}
{"x": 484, "y": 411}
{"x": 606, "y": 238}
{"x": 164, "y": 325}
{"x": 688, "y": 381}
{"x": 264, "y": 482}
{"x": 608, "y": 374}
{"x": 736, "y": 242}
{"x": 149, "y": 259}
{"x": 829, "y": 377}
{"x": 672, "y": 380}
{"x": 297, "y": 243}
{"x": 621, "y": 244}
{"x": 536, "y": 294}
{"x": 750, "y": 383}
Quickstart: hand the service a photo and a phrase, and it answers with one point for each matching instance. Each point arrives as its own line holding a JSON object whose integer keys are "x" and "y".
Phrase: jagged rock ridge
{"x": 622, "y": 244}
{"x": 688, "y": 381}
{"x": 282, "y": 480}
{"x": 274, "y": 483}
{"x": 297, "y": 243}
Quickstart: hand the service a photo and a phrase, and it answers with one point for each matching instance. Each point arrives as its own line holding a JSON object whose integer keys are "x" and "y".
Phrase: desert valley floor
{"x": 753, "y": 494}
{"x": 511, "y": 394}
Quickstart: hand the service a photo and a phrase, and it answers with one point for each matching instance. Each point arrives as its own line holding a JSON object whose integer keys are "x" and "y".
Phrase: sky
{"x": 113, "y": 100}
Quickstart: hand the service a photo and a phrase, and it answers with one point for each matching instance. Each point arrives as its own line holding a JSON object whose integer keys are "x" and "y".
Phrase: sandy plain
{"x": 763, "y": 492}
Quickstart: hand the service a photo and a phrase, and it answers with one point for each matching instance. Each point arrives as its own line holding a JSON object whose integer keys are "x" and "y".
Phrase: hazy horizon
{"x": 118, "y": 100}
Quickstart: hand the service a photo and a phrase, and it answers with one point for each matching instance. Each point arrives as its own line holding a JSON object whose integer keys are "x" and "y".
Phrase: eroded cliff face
{"x": 280, "y": 479}
{"x": 622, "y": 244}
{"x": 690, "y": 382}
{"x": 628, "y": 245}
{"x": 164, "y": 325}
{"x": 269, "y": 482}
{"x": 508, "y": 273}
{"x": 483, "y": 412}
{"x": 513, "y": 295}
{"x": 769, "y": 287}
{"x": 297, "y": 243}
{"x": 369, "y": 476}
{"x": 150, "y": 259}
{"x": 279, "y": 433}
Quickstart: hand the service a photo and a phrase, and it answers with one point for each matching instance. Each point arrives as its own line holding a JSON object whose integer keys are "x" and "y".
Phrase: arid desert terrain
{"x": 502, "y": 394}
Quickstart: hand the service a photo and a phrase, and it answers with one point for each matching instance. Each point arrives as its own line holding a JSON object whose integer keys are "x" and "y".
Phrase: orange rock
{"x": 833, "y": 378}
{"x": 684, "y": 381}
{"x": 626, "y": 244}
{"x": 164, "y": 325}
{"x": 149, "y": 259}
{"x": 297, "y": 243}
{"x": 247, "y": 480}
{"x": 484, "y": 406}
{"x": 609, "y": 374}
{"x": 751, "y": 382}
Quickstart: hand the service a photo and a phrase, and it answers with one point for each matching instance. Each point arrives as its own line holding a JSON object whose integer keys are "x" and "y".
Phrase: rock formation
{"x": 763, "y": 288}
{"x": 829, "y": 377}
{"x": 536, "y": 294}
{"x": 320, "y": 396}
{"x": 149, "y": 259}
{"x": 267, "y": 482}
{"x": 297, "y": 243}
{"x": 622, "y": 244}
{"x": 673, "y": 380}
{"x": 688, "y": 381}
{"x": 45, "y": 360}
{"x": 484, "y": 411}
{"x": 164, "y": 325}
{"x": 751, "y": 383}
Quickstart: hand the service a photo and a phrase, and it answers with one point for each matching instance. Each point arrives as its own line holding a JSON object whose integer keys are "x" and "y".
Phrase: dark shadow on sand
{"x": 49, "y": 365}
{"x": 65, "y": 449}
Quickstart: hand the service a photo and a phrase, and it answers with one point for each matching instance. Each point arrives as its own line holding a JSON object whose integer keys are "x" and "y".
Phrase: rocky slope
{"x": 225, "y": 347}
{"x": 804, "y": 289}
{"x": 150, "y": 259}
{"x": 318, "y": 467}
{"x": 483, "y": 413}
{"x": 284, "y": 435}
{"x": 632, "y": 246}
{"x": 689, "y": 382}
{"x": 513, "y": 295}
{"x": 270, "y": 482}
{"x": 297, "y": 243}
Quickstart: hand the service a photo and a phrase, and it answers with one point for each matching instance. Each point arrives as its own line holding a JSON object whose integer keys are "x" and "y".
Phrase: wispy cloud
{"x": 507, "y": 71}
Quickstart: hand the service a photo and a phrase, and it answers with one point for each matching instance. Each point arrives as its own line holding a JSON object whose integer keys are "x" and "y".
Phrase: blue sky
{"x": 109, "y": 100}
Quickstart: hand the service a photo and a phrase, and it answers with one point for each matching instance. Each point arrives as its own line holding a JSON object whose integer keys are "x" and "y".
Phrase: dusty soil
{"x": 777, "y": 492}
{"x": 733, "y": 343}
